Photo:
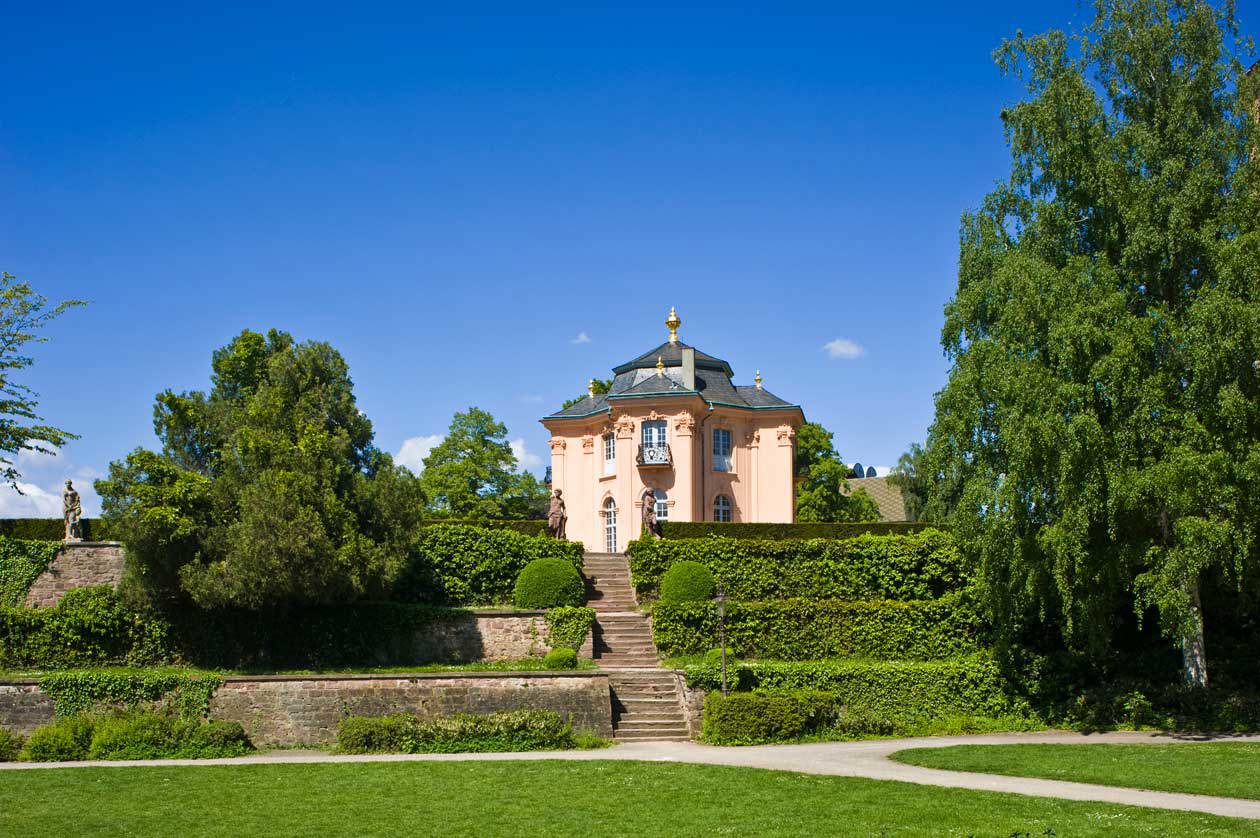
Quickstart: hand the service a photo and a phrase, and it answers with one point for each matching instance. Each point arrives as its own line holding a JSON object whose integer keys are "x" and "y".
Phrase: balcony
{"x": 655, "y": 454}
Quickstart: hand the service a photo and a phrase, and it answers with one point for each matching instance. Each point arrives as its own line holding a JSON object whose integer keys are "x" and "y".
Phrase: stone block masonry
{"x": 24, "y": 707}
{"x": 305, "y": 710}
{"x": 281, "y": 710}
{"x": 79, "y": 565}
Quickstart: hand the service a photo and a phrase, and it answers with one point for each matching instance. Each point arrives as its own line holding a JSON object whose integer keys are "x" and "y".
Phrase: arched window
{"x": 610, "y": 526}
{"x": 722, "y": 509}
{"x": 662, "y": 506}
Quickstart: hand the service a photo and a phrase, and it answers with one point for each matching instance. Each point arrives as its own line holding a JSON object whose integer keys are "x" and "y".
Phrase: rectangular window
{"x": 721, "y": 449}
{"x": 654, "y": 434}
{"x": 610, "y": 454}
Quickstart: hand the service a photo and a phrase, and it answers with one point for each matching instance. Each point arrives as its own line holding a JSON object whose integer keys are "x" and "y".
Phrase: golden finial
{"x": 757, "y": 380}
{"x": 660, "y": 365}
{"x": 590, "y": 388}
{"x": 673, "y": 323}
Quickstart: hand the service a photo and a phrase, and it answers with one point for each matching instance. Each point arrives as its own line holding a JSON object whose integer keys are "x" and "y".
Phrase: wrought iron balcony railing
{"x": 657, "y": 454}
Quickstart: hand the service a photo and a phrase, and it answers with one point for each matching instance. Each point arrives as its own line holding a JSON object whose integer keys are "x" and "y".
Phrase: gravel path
{"x": 867, "y": 759}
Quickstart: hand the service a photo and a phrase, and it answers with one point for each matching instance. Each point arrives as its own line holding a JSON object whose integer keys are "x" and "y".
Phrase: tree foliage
{"x": 473, "y": 473}
{"x": 600, "y": 386}
{"x": 1099, "y": 430}
{"x": 267, "y": 490}
{"x": 22, "y": 314}
{"x": 823, "y": 495}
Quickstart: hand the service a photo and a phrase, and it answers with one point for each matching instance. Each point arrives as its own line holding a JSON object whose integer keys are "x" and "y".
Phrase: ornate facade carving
{"x": 625, "y": 428}
{"x": 684, "y": 424}
{"x": 557, "y": 444}
{"x": 785, "y": 433}
{"x": 752, "y": 439}
{"x": 588, "y": 443}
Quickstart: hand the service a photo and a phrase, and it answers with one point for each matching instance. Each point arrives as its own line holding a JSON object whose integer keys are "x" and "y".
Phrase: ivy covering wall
{"x": 21, "y": 562}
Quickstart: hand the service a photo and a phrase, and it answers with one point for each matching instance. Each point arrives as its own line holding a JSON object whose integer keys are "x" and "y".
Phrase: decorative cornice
{"x": 557, "y": 444}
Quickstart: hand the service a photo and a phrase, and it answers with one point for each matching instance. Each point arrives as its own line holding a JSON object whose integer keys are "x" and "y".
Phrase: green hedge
{"x": 99, "y": 529}
{"x": 901, "y": 690}
{"x": 812, "y": 630}
{"x": 472, "y": 565}
{"x": 687, "y": 581}
{"x": 90, "y": 626}
{"x": 135, "y": 736}
{"x": 21, "y": 562}
{"x": 54, "y": 529}
{"x": 703, "y": 529}
{"x": 753, "y": 718}
{"x": 10, "y": 745}
{"x": 924, "y": 565}
{"x": 513, "y": 730}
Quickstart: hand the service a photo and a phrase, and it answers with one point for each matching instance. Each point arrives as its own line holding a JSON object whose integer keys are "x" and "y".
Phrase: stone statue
{"x": 650, "y": 524}
{"x": 556, "y": 516}
{"x": 72, "y": 511}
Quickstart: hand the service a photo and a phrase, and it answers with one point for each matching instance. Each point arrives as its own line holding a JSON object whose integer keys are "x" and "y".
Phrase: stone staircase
{"x": 645, "y": 700}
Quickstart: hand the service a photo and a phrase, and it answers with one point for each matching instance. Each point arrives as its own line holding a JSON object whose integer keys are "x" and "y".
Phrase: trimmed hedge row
{"x": 797, "y": 629}
{"x": 898, "y": 690}
{"x": 703, "y": 529}
{"x": 471, "y": 565}
{"x": 91, "y": 627}
{"x": 924, "y": 565}
{"x": 513, "y": 730}
{"x": 21, "y": 562}
{"x": 99, "y": 529}
{"x": 753, "y": 718}
{"x": 54, "y": 529}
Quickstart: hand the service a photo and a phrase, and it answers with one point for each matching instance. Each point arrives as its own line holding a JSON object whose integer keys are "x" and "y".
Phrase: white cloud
{"x": 844, "y": 349}
{"x": 415, "y": 449}
{"x": 525, "y": 458}
{"x": 582, "y": 337}
{"x": 883, "y": 471}
{"x": 33, "y": 502}
{"x": 43, "y": 477}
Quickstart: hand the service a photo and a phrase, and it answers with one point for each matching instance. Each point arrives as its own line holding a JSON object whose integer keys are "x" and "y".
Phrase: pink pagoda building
{"x": 673, "y": 422}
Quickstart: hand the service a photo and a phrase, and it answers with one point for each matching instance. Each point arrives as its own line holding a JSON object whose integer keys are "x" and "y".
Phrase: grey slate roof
{"x": 889, "y": 499}
{"x": 671, "y": 355}
{"x": 640, "y": 377}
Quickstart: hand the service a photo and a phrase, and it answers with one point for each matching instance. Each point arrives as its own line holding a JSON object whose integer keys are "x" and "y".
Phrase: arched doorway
{"x": 610, "y": 526}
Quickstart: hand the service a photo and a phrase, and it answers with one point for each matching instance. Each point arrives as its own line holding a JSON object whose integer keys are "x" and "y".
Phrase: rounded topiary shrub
{"x": 561, "y": 658}
{"x": 548, "y": 583}
{"x": 687, "y": 582}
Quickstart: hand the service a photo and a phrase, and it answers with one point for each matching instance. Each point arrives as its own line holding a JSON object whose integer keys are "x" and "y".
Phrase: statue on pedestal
{"x": 556, "y": 516}
{"x": 72, "y": 511}
{"x": 650, "y": 524}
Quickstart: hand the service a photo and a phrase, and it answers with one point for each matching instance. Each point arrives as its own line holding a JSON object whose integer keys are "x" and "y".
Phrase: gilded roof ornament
{"x": 590, "y": 388}
{"x": 660, "y": 365}
{"x": 673, "y": 322}
{"x": 757, "y": 380}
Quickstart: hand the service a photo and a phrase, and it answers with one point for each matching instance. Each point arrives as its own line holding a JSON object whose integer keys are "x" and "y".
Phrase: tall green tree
{"x": 473, "y": 473}
{"x": 823, "y": 493}
{"x": 1099, "y": 429}
{"x": 23, "y": 313}
{"x": 267, "y": 491}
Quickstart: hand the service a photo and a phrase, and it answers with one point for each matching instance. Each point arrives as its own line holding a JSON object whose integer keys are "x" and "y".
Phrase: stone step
{"x": 678, "y": 728}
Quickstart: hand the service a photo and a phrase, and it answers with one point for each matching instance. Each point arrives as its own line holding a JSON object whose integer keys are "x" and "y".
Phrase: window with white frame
{"x": 654, "y": 433}
{"x": 722, "y": 509}
{"x": 662, "y": 505}
{"x": 610, "y": 454}
{"x": 721, "y": 449}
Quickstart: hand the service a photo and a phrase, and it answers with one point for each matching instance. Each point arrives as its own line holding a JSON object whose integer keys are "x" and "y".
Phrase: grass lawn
{"x": 1224, "y": 769}
{"x": 540, "y": 798}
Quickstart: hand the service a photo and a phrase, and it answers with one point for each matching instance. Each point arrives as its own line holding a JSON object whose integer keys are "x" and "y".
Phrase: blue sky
{"x": 451, "y": 200}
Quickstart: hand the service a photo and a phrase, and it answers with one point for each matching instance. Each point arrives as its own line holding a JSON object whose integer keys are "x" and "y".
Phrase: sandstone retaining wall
{"x": 305, "y": 710}
{"x": 80, "y": 564}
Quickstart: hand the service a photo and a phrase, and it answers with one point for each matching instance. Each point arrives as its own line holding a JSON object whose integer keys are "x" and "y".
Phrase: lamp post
{"x": 721, "y": 612}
